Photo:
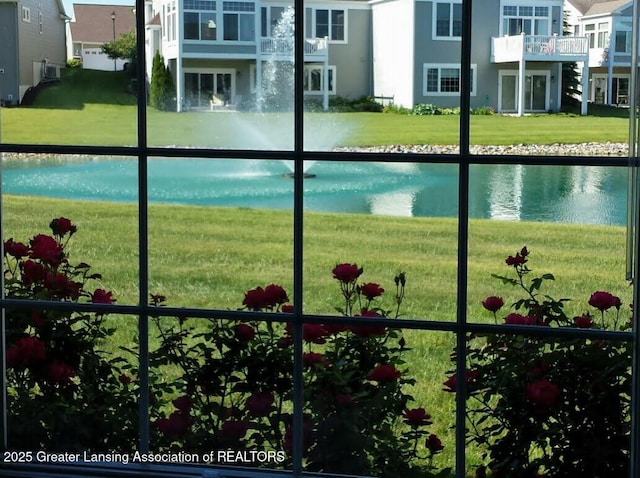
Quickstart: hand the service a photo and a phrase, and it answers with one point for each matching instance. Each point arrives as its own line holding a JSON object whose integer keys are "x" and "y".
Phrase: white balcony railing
{"x": 539, "y": 48}
{"x": 284, "y": 47}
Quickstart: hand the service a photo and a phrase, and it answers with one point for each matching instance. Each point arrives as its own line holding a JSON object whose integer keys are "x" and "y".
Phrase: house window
{"x": 239, "y": 21}
{"x": 40, "y": 22}
{"x": 329, "y": 23}
{"x": 269, "y": 19}
{"x": 623, "y": 41}
{"x": 170, "y": 18}
{"x": 201, "y": 25}
{"x": 590, "y": 33}
{"x": 448, "y": 20}
{"x": 525, "y": 19}
{"x": 26, "y": 14}
{"x": 603, "y": 35}
{"x": 444, "y": 80}
{"x": 314, "y": 79}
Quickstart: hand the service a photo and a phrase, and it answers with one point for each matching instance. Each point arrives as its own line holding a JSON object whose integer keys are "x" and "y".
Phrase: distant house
{"x": 407, "y": 50}
{"x": 95, "y": 25}
{"x": 607, "y": 26}
{"x": 32, "y": 39}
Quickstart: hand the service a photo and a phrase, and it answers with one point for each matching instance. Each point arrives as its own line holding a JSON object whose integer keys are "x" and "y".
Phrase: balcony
{"x": 315, "y": 49}
{"x": 539, "y": 48}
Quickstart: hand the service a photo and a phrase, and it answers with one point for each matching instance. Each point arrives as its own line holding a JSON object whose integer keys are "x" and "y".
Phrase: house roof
{"x": 93, "y": 23}
{"x": 598, "y": 7}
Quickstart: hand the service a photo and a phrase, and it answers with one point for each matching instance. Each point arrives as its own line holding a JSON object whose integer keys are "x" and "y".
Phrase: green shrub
{"x": 163, "y": 91}
{"x": 397, "y": 109}
{"x": 424, "y": 110}
{"x": 483, "y": 111}
{"x": 74, "y": 63}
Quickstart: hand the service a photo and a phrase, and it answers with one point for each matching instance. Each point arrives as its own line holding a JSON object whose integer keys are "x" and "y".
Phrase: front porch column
{"x": 325, "y": 81}
{"x": 585, "y": 88}
{"x": 179, "y": 84}
{"x": 258, "y": 85}
{"x": 521, "y": 77}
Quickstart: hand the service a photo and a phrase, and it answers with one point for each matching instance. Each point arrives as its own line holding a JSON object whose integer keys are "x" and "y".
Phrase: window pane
{"x": 97, "y": 194}
{"x": 346, "y": 420}
{"x": 191, "y": 26}
{"x": 337, "y": 24}
{"x": 222, "y": 398}
{"x": 374, "y": 214}
{"x": 457, "y": 20}
{"x": 204, "y": 249}
{"x": 450, "y": 79}
{"x": 208, "y": 26}
{"x": 322, "y": 23}
{"x": 247, "y": 27}
{"x": 231, "y": 26}
{"x": 443, "y": 19}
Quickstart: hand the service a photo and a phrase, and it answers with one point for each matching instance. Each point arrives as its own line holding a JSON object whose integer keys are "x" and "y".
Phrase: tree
{"x": 124, "y": 48}
{"x": 163, "y": 91}
{"x": 571, "y": 92}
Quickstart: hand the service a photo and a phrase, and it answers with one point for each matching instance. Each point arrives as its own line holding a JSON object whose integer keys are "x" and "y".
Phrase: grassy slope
{"x": 92, "y": 108}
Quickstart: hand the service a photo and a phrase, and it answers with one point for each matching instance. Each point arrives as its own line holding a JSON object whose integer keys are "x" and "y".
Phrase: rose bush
{"x": 64, "y": 391}
{"x": 237, "y": 380}
{"x": 542, "y": 406}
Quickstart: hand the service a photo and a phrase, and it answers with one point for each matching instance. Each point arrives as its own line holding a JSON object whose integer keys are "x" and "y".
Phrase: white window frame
{"x": 533, "y": 17}
{"x": 329, "y": 10}
{"x": 226, "y": 11}
{"x": 26, "y": 14}
{"x": 441, "y": 66}
{"x": 434, "y": 21}
{"x": 200, "y": 13}
{"x": 548, "y": 92}
{"x": 332, "y": 69}
{"x": 621, "y": 28}
{"x": 266, "y": 11}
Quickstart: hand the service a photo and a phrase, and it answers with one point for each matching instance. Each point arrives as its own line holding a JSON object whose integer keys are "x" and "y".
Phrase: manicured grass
{"x": 93, "y": 108}
{"x": 208, "y": 257}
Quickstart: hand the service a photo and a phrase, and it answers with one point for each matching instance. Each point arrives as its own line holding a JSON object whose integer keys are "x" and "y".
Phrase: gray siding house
{"x": 405, "y": 50}
{"x": 517, "y": 53}
{"x": 607, "y": 26}
{"x": 32, "y": 35}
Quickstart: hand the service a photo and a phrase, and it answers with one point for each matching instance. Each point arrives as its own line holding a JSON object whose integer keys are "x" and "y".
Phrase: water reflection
{"x": 577, "y": 194}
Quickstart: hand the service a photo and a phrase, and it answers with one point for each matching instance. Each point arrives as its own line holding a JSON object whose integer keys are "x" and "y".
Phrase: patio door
{"x": 201, "y": 86}
{"x": 536, "y": 91}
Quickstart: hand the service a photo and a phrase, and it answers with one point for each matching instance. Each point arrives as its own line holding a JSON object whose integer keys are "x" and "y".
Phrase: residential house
{"x": 607, "y": 26}
{"x": 95, "y": 25}
{"x": 407, "y": 50}
{"x": 32, "y": 39}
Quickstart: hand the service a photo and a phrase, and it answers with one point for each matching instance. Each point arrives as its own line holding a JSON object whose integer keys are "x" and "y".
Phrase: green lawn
{"x": 93, "y": 108}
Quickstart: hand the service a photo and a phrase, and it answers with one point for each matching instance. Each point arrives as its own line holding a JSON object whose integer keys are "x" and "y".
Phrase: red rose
{"x": 452, "y": 382}
{"x": 543, "y": 393}
{"x": 519, "y": 319}
{"x": 366, "y": 331}
{"x": 384, "y": 373}
{"x": 311, "y": 333}
{"x": 493, "y": 303}
{"x": 61, "y": 226}
{"x": 255, "y": 299}
{"x": 519, "y": 259}
{"x": 245, "y": 332}
{"x": 434, "y": 444}
{"x": 287, "y": 309}
{"x": 583, "y": 322}
{"x": 371, "y": 290}
{"x": 60, "y": 285}
{"x": 59, "y": 372}
{"x": 604, "y": 301}
{"x": 344, "y": 398}
{"x": 416, "y": 417}
{"x": 346, "y": 273}
{"x": 125, "y": 379}
{"x": 309, "y": 359}
{"x": 234, "y": 430}
{"x": 259, "y": 404}
{"x": 183, "y": 403}
{"x": 101, "y": 296}
{"x": 334, "y": 329}
{"x": 176, "y": 425}
{"x": 16, "y": 249}
{"x": 47, "y": 249}
{"x": 32, "y": 272}
{"x": 275, "y": 295}
{"x": 26, "y": 351}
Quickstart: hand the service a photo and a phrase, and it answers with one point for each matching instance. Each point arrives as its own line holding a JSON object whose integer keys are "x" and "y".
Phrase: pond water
{"x": 576, "y": 194}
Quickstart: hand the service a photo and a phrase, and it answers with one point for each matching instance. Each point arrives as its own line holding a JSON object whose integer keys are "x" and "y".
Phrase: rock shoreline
{"x": 579, "y": 149}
